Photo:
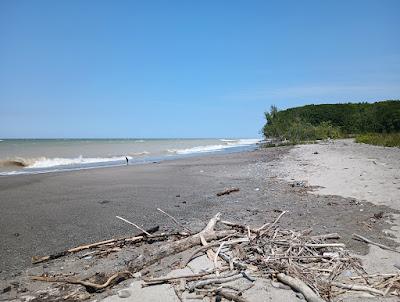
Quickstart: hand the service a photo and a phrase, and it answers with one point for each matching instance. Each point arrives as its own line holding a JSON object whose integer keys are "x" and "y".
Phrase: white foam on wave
{"x": 44, "y": 162}
{"x": 140, "y": 153}
{"x": 215, "y": 148}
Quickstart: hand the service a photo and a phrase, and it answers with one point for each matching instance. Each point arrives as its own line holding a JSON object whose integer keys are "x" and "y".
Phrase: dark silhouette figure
{"x": 127, "y": 160}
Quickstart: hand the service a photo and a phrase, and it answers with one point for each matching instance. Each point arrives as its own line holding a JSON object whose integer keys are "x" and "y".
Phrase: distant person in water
{"x": 127, "y": 160}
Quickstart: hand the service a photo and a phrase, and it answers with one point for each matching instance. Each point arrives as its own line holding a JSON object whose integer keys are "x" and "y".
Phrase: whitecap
{"x": 59, "y": 161}
{"x": 215, "y": 148}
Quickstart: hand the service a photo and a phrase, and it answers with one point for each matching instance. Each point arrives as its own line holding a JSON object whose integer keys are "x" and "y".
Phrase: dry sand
{"x": 348, "y": 169}
{"x": 345, "y": 168}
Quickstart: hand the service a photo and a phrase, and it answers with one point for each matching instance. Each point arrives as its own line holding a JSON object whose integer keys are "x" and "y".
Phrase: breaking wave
{"x": 44, "y": 162}
{"x": 16, "y": 162}
{"x": 213, "y": 148}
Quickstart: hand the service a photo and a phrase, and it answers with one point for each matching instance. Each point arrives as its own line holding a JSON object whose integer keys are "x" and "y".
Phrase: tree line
{"x": 323, "y": 121}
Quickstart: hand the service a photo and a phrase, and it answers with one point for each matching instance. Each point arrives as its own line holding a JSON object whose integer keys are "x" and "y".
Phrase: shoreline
{"x": 121, "y": 163}
{"x": 49, "y": 213}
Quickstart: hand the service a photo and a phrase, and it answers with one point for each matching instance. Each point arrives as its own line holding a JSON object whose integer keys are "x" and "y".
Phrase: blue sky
{"x": 187, "y": 68}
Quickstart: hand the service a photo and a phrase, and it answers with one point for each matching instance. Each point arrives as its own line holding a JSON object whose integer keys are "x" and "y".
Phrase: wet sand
{"x": 43, "y": 214}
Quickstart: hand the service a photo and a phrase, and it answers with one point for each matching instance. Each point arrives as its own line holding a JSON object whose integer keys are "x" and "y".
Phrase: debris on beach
{"x": 228, "y": 191}
{"x": 316, "y": 267}
{"x": 299, "y": 184}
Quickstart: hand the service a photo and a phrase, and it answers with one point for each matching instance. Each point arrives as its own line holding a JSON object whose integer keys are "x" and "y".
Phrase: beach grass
{"x": 380, "y": 139}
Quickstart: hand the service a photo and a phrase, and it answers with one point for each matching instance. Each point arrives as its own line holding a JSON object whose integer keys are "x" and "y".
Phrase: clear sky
{"x": 97, "y": 68}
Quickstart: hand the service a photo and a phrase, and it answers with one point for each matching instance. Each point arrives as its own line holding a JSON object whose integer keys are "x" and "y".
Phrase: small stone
{"x": 7, "y": 289}
{"x": 124, "y": 293}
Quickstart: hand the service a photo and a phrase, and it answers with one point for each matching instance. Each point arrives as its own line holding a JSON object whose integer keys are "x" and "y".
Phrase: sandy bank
{"x": 364, "y": 172}
{"x": 348, "y": 169}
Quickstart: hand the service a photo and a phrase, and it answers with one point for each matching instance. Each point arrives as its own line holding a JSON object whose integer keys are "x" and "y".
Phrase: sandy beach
{"x": 342, "y": 167}
{"x": 47, "y": 213}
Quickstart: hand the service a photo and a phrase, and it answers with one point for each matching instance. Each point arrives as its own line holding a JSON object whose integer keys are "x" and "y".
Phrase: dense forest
{"x": 313, "y": 122}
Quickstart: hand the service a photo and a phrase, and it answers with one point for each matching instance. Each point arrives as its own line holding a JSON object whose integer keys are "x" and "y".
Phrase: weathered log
{"x": 301, "y": 287}
{"x": 176, "y": 247}
{"x": 231, "y": 296}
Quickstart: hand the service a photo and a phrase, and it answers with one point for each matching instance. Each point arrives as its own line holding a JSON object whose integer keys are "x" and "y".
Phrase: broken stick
{"x": 135, "y": 225}
{"x": 228, "y": 191}
{"x": 176, "y": 221}
{"x": 366, "y": 240}
{"x": 358, "y": 288}
{"x": 91, "y": 287}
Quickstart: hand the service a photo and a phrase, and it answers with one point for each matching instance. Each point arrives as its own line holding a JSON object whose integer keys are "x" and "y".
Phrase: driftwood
{"x": 122, "y": 240}
{"x": 237, "y": 225}
{"x": 179, "y": 246}
{"x": 326, "y": 236}
{"x": 231, "y": 242}
{"x": 308, "y": 264}
{"x": 228, "y": 191}
{"x": 167, "y": 279}
{"x": 366, "y": 240}
{"x": 209, "y": 245}
{"x": 135, "y": 225}
{"x": 358, "y": 288}
{"x": 217, "y": 280}
{"x": 198, "y": 250}
{"x": 39, "y": 259}
{"x": 90, "y": 287}
{"x": 234, "y": 262}
{"x": 230, "y": 296}
{"x": 176, "y": 221}
{"x": 269, "y": 226}
{"x": 301, "y": 287}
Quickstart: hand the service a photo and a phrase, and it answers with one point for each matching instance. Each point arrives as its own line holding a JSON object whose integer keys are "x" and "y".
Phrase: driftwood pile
{"x": 316, "y": 266}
